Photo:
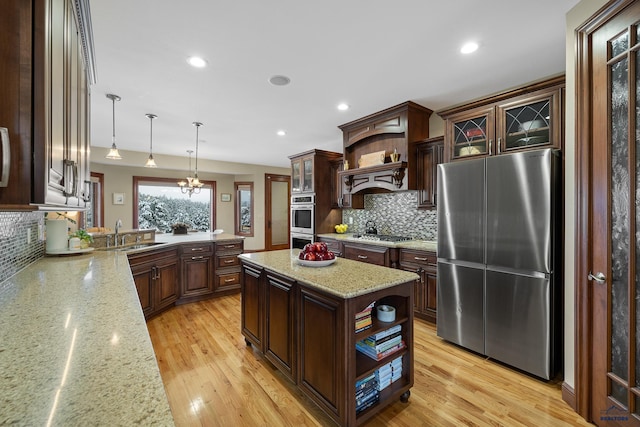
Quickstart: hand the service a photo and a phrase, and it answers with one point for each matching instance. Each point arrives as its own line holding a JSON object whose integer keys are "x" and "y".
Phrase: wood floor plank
{"x": 212, "y": 378}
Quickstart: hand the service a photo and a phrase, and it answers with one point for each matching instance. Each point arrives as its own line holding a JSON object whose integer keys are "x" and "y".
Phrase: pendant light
{"x": 150, "y": 162}
{"x": 113, "y": 152}
{"x": 193, "y": 184}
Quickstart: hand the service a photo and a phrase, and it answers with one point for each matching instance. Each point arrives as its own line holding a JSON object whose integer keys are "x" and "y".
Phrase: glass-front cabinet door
{"x": 307, "y": 174}
{"x": 302, "y": 174}
{"x": 530, "y": 123}
{"x": 472, "y": 133}
{"x": 295, "y": 177}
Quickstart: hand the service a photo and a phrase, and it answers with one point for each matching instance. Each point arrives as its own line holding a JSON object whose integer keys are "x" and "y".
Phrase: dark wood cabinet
{"x": 156, "y": 276}
{"x": 424, "y": 264}
{"x": 340, "y": 198}
{"x": 252, "y": 306}
{"x": 372, "y": 254}
{"x": 198, "y": 270}
{"x": 529, "y": 117}
{"x": 429, "y": 154}
{"x": 44, "y": 54}
{"x": 280, "y": 338}
{"x": 227, "y": 266}
{"x": 333, "y": 245}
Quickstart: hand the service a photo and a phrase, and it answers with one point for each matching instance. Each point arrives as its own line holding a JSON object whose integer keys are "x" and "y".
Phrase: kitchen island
{"x": 303, "y": 319}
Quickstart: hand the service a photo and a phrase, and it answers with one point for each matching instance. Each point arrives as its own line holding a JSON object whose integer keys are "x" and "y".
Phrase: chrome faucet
{"x": 118, "y": 225}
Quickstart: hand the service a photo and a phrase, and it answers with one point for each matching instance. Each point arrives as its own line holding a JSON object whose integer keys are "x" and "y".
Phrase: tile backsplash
{"x": 394, "y": 213}
{"x": 20, "y": 242}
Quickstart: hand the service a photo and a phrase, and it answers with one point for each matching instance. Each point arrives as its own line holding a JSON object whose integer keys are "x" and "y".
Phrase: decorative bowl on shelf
{"x": 323, "y": 263}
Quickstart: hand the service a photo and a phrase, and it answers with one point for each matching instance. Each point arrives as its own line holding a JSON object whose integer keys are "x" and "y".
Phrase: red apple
{"x": 321, "y": 256}
{"x": 320, "y": 246}
{"x": 330, "y": 255}
{"x": 309, "y": 256}
{"x": 309, "y": 247}
{"x": 301, "y": 255}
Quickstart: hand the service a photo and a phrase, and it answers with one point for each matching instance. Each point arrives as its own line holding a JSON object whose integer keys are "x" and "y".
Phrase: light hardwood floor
{"x": 213, "y": 379}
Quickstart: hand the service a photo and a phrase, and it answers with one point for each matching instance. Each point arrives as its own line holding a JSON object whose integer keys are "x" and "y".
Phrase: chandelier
{"x": 192, "y": 184}
{"x": 113, "y": 152}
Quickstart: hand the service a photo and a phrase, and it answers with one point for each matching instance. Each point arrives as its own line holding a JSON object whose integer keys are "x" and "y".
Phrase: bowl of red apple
{"x": 316, "y": 254}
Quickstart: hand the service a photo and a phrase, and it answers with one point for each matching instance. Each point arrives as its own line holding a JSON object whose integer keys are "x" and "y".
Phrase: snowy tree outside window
{"x": 160, "y": 205}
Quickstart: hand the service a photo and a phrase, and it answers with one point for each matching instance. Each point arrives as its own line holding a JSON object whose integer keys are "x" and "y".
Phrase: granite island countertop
{"x": 422, "y": 245}
{"x": 344, "y": 278}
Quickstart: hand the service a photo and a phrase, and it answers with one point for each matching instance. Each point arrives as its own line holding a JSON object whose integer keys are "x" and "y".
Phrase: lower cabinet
{"x": 424, "y": 264}
{"x": 333, "y": 245}
{"x": 252, "y": 307}
{"x": 227, "y": 266}
{"x": 156, "y": 276}
{"x": 196, "y": 261}
{"x": 280, "y": 339}
{"x": 372, "y": 254}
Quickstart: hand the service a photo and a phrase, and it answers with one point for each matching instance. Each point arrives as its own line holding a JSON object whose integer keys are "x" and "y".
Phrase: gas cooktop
{"x": 382, "y": 238}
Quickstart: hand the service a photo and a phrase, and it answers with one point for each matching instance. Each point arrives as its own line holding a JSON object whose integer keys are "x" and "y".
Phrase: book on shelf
{"x": 382, "y": 334}
{"x": 368, "y": 404}
{"x": 364, "y": 381}
{"x": 386, "y": 342}
{"x": 363, "y": 318}
{"x": 368, "y": 351}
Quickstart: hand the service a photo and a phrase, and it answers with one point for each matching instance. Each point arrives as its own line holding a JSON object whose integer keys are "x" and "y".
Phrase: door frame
{"x": 584, "y": 302}
{"x": 268, "y": 178}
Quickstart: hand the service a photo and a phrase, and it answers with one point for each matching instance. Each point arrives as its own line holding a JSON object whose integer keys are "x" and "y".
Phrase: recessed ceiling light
{"x": 343, "y": 107}
{"x": 281, "y": 133}
{"x": 469, "y": 48}
{"x": 196, "y": 61}
{"x": 279, "y": 80}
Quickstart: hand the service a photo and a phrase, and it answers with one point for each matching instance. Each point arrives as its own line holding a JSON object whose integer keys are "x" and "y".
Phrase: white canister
{"x": 57, "y": 235}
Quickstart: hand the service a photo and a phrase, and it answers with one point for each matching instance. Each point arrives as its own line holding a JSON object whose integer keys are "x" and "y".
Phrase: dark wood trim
{"x": 569, "y": 395}
{"x": 501, "y": 96}
{"x": 137, "y": 179}
{"x": 236, "y": 209}
{"x": 580, "y": 399}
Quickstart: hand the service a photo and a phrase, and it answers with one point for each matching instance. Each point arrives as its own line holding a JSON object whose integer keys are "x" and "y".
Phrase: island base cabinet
{"x": 252, "y": 306}
{"x": 156, "y": 277}
{"x": 280, "y": 339}
{"x": 321, "y": 345}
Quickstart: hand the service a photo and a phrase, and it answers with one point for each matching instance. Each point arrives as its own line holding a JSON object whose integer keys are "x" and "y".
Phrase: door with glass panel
{"x": 277, "y": 190}
{"x": 611, "y": 239}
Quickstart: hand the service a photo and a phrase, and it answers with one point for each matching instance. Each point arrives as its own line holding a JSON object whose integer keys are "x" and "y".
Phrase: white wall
{"x": 118, "y": 176}
{"x": 575, "y": 18}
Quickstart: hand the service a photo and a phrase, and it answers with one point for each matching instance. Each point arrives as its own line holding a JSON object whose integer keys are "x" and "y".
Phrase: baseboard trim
{"x": 569, "y": 396}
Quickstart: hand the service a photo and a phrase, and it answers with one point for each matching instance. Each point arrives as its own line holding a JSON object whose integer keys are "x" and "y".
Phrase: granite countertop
{"x": 423, "y": 245}
{"x": 344, "y": 278}
{"x": 74, "y": 346}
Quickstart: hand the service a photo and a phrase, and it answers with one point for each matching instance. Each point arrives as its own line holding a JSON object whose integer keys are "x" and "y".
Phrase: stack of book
{"x": 382, "y": 344}
{"x": 389, "y": 373}
{"x": 367, "y": 393}
{"x": 363, "y": 318}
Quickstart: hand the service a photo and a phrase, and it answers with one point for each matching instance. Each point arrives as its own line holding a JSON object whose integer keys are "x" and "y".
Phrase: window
{"x": 244, "y": 208}
{"x": 160, "y": 204}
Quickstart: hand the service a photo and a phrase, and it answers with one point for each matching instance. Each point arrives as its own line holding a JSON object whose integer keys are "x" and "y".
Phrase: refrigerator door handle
{"x": 599, "y": 277}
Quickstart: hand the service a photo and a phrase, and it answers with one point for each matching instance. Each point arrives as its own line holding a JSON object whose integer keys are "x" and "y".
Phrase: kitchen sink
{"x": 135, "y": 246}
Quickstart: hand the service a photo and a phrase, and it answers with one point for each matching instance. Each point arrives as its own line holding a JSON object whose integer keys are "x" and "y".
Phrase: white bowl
{"x": 532, "y": 125}
{"x": 316, "y": 263}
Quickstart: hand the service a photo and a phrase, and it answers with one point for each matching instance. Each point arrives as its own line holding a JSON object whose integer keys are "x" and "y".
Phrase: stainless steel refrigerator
{"x": 499, "y": 245}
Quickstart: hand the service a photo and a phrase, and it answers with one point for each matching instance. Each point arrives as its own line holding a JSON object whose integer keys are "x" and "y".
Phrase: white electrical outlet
{"x": 350, "y": 220}
{"x": 28, "y": 236}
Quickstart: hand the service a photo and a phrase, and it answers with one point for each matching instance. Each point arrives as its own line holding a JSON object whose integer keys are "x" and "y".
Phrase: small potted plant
{"x": 85, "y": 238}
{"x": 179, "y": 228}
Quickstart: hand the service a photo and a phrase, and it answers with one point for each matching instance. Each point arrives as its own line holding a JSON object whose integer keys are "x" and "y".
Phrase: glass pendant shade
{"x": 150, "y": 162}
{"x": 193, "y": 184}
{"x": 113, "y": 152}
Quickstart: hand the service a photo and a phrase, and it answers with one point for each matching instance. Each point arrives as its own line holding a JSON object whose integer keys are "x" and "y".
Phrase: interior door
{"x": 277, "y": 190}
{"x": 609, "y": 247}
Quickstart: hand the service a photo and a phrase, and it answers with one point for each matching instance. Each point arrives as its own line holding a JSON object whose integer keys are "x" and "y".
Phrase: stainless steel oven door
{"x": 302, "y": 219}
{"x": 299, "y": 240}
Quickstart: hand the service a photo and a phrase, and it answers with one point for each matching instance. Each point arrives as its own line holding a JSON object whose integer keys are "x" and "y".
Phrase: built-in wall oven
{"x": 302, "y": 219}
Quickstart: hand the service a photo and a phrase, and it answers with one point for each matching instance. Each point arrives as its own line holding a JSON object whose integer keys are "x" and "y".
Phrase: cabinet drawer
{"x": 197, "y": 249}
{"x": 227, "y": 261}
{"x": 228, "y": 279}
{"x": 152, "y": 256}
{"x": 371, "y": 255}
{"x": 229, "y": 247}
{"x": 422, "y": 258}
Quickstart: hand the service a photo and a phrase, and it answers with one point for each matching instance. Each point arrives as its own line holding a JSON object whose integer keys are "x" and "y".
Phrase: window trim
{"x": 174, "y": 181}
{"x": 236, "y": 209}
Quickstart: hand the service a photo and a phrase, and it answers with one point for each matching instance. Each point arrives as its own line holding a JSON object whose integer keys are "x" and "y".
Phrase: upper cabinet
{"x": 429, "y": 154}
{"x": 302, "y": 173}
{"x": 521, "y": 119}
{"x": 46, "y": 50}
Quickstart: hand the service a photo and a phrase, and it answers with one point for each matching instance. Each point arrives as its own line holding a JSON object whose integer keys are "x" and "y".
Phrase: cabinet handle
{"x": 194, "y": 258}
{"x": 499, "y": 144}
{"x": 154, "y": 274}
{"x": 417, "y": 258}
{"x": 6, "y": 157}
{"x": 197, "y": 249}
{"x": 490, "y": 145}
{"x": 229, "y": 261}
{"x": 70, "y": 164}
{"x": 229, "y": 280}
{"x": 363, "y": 256}
{"x": 229, "y": 246}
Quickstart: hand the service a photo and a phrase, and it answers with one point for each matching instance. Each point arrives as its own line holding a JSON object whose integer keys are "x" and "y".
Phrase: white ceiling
{"x": 371, "y": 54}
